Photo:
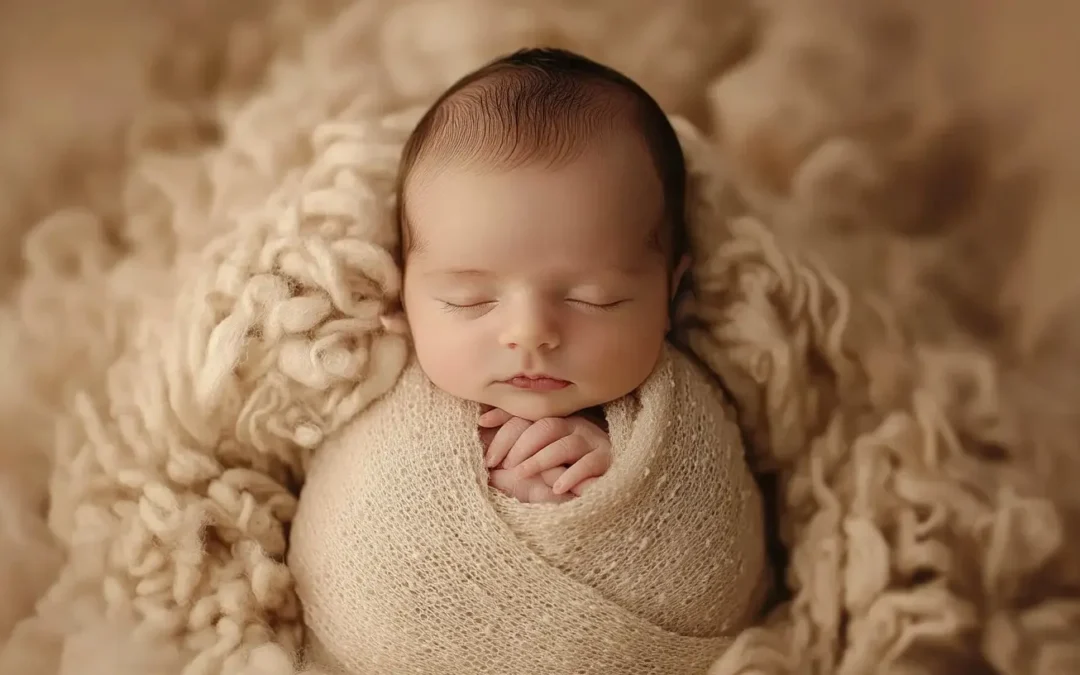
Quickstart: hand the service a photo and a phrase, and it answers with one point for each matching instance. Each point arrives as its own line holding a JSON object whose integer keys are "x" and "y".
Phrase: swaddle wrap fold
{"x": 406, "y": 561}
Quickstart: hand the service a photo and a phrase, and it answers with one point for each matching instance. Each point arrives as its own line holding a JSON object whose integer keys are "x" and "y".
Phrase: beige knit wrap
{"x": 406, "y": 561}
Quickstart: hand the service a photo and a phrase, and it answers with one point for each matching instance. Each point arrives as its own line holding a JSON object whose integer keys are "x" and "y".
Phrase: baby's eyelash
{"x": 607, "y": 306}
{"x": 453, "y": 308}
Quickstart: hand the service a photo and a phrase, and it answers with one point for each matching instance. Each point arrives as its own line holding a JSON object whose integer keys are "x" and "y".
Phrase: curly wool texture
{"x": 192, "y": 368}
{"x": 653, "y": 571}
{"x": 909, "y": 553}
{"x": 861, "y": 131}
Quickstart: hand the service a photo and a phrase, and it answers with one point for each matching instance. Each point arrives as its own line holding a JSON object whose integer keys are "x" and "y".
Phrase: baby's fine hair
{"x": 546, "y": 106}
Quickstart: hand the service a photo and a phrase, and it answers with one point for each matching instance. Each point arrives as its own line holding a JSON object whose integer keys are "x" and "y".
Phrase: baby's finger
{"x": 504, "y": 480}
{"x": 592, "y": 465}
{"x": 541, "y": 434}
{"x": 539, "y": 493}
{"x": 551, "y": 475}
{"x": 566, "y": 450}
{"x": 496, "y": 417}
{"x": 504, "y": 440}
{"x": 529, "y": 490}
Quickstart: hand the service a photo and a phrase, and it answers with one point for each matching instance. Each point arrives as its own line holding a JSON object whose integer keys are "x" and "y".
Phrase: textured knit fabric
{"x": 406, "y": 561}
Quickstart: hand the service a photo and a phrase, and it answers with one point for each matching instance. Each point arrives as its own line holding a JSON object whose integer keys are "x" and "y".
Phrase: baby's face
{"x": 538, "y": 290}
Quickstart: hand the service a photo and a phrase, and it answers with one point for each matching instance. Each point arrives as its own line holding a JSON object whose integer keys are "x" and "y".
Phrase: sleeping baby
{"x": 541, "y": 207}
{"x": 550, "y": 487}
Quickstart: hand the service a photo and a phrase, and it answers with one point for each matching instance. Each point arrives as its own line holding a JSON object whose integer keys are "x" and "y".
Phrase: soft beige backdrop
{"x": 71, "y": 72}
{"x": 1032, "y": 50}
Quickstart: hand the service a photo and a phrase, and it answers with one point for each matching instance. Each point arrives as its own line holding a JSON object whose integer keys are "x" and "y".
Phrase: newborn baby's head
{"x": 541, "y": 206}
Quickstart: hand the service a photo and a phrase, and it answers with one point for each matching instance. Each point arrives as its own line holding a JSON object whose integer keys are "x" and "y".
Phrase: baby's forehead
{"x": 518, "y": 117}
{"x": 585, "y": 206}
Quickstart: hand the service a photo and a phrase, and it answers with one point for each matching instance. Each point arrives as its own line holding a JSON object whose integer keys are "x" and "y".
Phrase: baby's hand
{"x": 531, "y": 490}
{"x": 566, "y": 454}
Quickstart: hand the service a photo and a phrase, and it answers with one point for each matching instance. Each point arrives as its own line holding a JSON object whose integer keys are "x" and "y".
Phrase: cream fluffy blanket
{"x": 175, "y": 349}
{"x": 405, "y": 560}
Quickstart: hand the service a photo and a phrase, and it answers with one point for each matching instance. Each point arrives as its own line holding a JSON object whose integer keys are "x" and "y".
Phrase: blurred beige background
{"x": 70, "y": 74}
{"x": 1031, "y": 50}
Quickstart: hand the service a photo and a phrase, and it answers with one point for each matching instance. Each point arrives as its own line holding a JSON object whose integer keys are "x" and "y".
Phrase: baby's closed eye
{"x": 597, "y": 297}
{"x": 466, "y": 302}
{"x": 467, "y": 306}
{"x": 595, "y": 304}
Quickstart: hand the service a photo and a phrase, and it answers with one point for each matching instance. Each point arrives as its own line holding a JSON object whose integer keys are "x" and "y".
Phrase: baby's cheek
{"x": 625, "y": 355}
{"x": 445, "y": 353}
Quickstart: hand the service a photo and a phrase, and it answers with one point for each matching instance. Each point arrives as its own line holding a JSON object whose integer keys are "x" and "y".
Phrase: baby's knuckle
{"x": 585, "y": 444}
{"x": 553, "y": 425}
{"x": 588, "y": 428}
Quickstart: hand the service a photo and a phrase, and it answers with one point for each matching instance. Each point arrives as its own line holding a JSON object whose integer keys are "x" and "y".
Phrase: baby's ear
{"x": 395, "y": 324}
{"x": 394, "y": 320}
{"x": 678, "y": 273}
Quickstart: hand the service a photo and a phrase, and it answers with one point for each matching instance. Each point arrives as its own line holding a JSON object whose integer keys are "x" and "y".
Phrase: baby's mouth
{"x": 537, "y": 383}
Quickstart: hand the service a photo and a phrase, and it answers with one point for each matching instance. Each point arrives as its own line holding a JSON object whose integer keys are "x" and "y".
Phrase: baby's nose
{"x": 531, "y": 330}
